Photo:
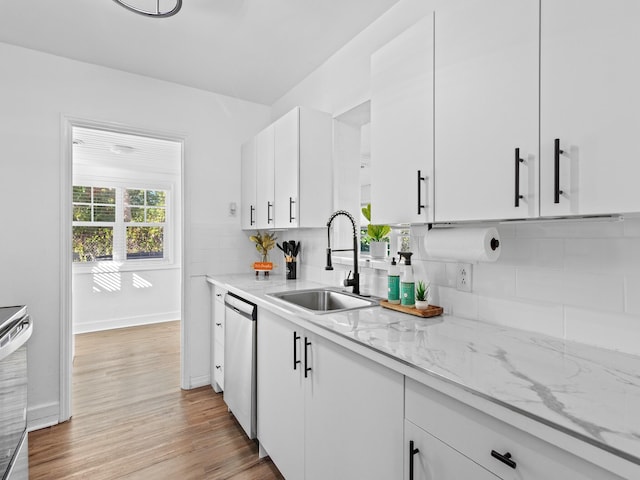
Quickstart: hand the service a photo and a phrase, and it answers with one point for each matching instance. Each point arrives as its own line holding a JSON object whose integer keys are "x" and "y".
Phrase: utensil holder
{"x": 291, "y": 270}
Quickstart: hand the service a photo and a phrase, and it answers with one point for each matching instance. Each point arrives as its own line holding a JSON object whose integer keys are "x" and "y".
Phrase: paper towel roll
{"x": 464, "y": 244}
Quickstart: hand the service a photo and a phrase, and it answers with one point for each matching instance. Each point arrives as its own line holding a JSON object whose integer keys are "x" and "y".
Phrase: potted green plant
{"x": 378, "y": 235}
{"x": 422, "y": 295}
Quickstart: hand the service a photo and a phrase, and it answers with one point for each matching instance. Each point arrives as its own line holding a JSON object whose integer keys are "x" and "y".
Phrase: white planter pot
{"x": 378, "y": 249}
{"x": 422, "y": 304}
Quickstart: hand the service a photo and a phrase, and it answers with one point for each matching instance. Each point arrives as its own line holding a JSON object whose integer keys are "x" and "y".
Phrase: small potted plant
{"x": 264, "y": 242}
{"x": 377, "y": 235}
{"x": 422, "y": 295}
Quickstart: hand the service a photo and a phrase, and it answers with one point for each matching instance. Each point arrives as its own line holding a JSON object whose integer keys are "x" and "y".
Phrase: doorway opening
{"x": 125, "y": 233}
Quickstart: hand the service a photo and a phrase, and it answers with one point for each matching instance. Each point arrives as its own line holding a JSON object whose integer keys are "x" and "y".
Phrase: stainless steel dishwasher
{"x": 240, "y": 361}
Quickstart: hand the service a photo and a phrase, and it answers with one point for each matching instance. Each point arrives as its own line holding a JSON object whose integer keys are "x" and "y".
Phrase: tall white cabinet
{"x": 324, "y": 411}
{"x": 402, "y": 183}
{"x": 265, "y": 174}
{"x": 589, "y": 77}
{"x": 248, "y": 184}
{"x": 486, "y": 110}
{"x": 303, "y": 168}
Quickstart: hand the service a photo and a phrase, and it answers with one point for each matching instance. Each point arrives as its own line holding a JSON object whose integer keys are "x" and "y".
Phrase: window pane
{"x": 104, "y": 214}
{"x": 155, "y": 198}
{"x": 134, "y": 214}
{"x": 104, "y": 195}
{"x": 145, "y": 242}
{"x": 81, "y": 213}
{"x": 155, "y": 215}
{"x": 82, "y": 194}
{"x": 133, "y": 197}
{"x": 92, "y": 244}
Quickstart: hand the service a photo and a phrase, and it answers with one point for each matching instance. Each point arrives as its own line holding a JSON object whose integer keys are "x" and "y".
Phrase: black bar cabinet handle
{"x": 556, "y": 169}
{"x": 307, "y": 369}
{"x": 518, "y": 160}
{"x": 269, "y": 205}
{"x": 412, "y": 452}
{"x": 420, "y": 206}
{"x": 251, "y": 210}
{"x": 506, "y": 458}
{"x": 291, "y": 202}
{"x": 296, "y": 337}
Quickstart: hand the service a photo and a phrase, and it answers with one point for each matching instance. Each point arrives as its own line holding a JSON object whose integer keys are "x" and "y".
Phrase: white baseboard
{"x": 99, "y": 325}
{"x": 201, "y": 381}
{"x": 42, "y": 416}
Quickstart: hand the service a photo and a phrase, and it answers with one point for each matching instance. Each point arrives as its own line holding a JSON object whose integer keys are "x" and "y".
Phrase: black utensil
{"x": 292, "y": 247}
{"x": 296, "y": 250}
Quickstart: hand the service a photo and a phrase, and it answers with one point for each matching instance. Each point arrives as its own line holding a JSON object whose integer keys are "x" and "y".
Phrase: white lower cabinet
{"x": 482, "y": 443}
{"x": 427, "y": 458}
{"x": 324, "y": 411}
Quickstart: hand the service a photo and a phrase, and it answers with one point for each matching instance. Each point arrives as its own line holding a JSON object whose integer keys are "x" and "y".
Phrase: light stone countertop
{"x": 588, "y": 393}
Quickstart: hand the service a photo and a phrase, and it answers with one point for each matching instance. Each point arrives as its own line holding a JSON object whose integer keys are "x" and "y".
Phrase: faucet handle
{"x": 349, "y": 282}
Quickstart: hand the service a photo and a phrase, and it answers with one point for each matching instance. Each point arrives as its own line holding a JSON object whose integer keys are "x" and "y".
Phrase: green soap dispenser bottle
{"x": 407, "y": 282}
{"x": 393, "y": 282}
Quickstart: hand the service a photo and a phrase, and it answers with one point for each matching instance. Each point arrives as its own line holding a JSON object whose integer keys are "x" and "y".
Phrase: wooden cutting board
{"x": 431, "y": 311}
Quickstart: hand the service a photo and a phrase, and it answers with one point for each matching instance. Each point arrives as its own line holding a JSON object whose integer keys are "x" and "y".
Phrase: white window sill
{"x": 364, "y": 261}
{"x": 130, "y": 266}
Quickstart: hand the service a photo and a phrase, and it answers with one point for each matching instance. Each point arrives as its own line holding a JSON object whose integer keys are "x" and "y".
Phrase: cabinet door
{"x": 402, "y": 128}
{"x": 264, "y": 214}
{"x": 281, "y": 394}
{"x": 248, "y": 185}
{"x": 590, "y": 102}
{"x": 287, "y": 150}
{"x": 486, "y": 110}
{"x": 435, "y": 460}
{"x": 353, "y": 416}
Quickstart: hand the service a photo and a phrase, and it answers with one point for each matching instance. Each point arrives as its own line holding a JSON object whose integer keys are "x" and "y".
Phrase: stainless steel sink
{"x": 324, "y": 300}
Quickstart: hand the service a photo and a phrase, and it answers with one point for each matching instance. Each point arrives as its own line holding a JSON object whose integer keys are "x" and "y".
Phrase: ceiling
{"x": 251, "y": 49}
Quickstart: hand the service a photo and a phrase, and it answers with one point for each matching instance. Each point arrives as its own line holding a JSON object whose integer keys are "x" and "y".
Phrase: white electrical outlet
{"x": 463, "y": 277}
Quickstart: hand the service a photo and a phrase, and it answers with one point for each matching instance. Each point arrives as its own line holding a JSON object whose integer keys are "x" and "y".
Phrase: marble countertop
{"x": 590, "y": 393}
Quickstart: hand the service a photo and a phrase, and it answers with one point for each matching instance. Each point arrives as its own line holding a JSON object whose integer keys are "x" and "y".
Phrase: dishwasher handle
{"x": 241, "y": 306}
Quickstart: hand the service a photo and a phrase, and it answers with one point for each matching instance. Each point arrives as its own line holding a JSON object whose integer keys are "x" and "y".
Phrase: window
{"x": 118, "y": 223}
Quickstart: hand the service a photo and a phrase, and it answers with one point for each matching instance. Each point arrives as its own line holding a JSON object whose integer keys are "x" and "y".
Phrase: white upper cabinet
{"x": 248, "y": 185}
{"x": 590, "y": 75}
{"x": 264, "y": 214}
{"x": 303, "y": 169}
{"x": 486, "y": 110}
{"x": 402, "y": 189}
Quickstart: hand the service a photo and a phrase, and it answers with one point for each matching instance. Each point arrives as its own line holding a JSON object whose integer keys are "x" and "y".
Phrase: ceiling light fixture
{"x": 157, "y": 12}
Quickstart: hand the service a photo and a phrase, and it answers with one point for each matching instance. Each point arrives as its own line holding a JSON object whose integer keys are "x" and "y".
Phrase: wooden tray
{"x": 431, "y": 311}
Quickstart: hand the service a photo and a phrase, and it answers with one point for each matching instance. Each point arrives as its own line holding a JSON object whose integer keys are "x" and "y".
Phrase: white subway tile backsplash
{"x": 493, "y": 280}
{"x": 603, "y": 329}
{"x": 599, "y": 255}
{"x": 632, "y": 226}
{"x": 539, "y": 252}
{"x": 632, "y": 294}
{"x": 460, "y": 304}
{"x": 577, "y": 228}
{"x": 545, "y": 318}
{"x": 570, "y": 288}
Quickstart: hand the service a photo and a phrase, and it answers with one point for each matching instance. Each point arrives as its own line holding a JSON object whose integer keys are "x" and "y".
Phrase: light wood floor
{"x": 131, "y": 420}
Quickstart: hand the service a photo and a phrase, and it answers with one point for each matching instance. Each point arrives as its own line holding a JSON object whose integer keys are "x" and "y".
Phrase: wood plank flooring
{"x": 131, "y": 419}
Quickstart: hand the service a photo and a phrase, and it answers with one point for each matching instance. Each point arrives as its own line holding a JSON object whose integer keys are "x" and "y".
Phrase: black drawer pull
{"x": 218, "y": 324}
{"x": 557, "y": 151}
{"x": 296, "y": 337}
{"x": 251, "y": 220}
{"x": 412, "y": 452}
{"x": 307, "y": 369}
{"x": 269, "y": 205}
{"x": 291, "y": 202}
{"x": 420, "y": 205}
{"x": 506, "y": 458}
{"x": 518, "y": 162}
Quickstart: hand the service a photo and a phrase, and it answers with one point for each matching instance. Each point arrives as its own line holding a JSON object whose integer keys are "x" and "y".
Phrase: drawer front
{"x": 476, "y": 435}
{"x": 218, "y": 364}
{"x": 218, "y": 294}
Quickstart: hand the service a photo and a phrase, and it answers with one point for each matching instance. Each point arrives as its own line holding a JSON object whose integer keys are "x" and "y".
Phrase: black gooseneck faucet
{"x": 349, "y": 282}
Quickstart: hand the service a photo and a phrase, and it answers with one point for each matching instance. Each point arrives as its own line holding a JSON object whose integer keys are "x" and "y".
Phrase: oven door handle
{"x": 16, "y": 336}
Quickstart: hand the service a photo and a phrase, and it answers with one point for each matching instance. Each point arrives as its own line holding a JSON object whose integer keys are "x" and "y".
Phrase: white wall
{"x": 573, "y": 280}
{"x": 37, "y": 89}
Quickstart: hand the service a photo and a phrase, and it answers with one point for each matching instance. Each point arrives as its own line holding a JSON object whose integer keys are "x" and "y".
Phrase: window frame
{"x": 120, "y": 261}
